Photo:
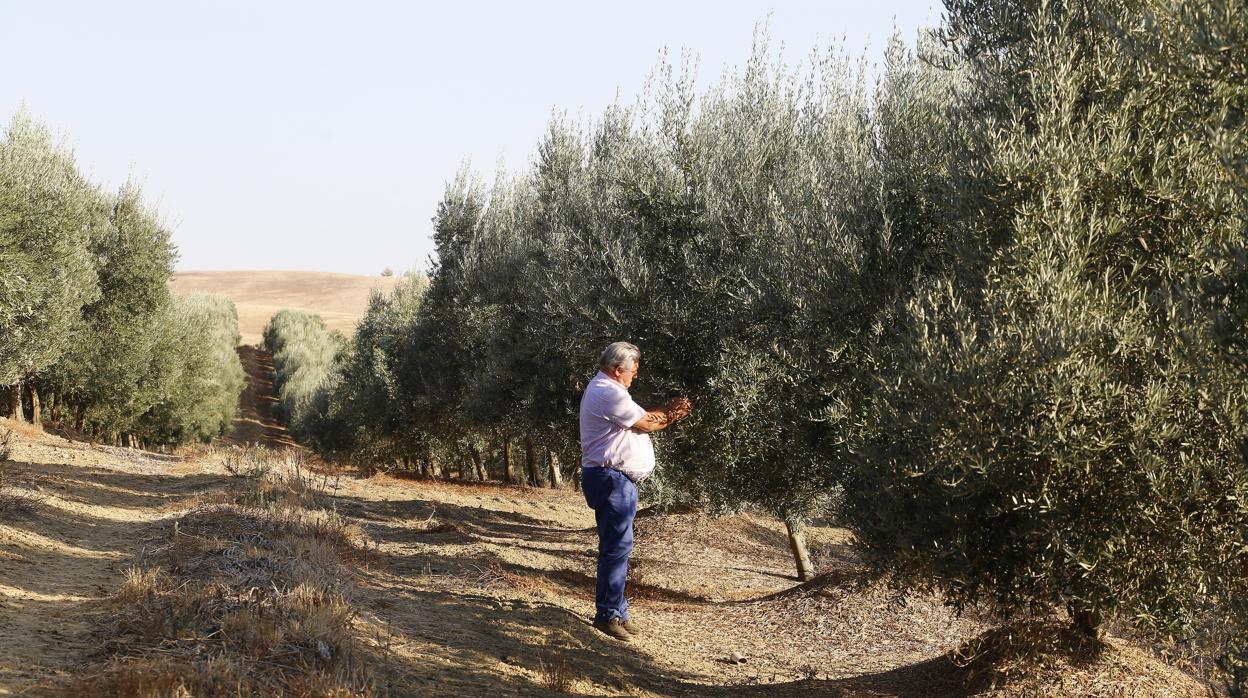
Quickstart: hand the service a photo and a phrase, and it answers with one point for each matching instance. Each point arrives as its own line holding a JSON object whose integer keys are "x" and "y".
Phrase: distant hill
{"x": 340, "y": 299}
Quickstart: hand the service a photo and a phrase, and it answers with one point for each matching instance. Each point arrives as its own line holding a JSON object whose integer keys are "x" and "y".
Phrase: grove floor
{"x": 481, "y": 589}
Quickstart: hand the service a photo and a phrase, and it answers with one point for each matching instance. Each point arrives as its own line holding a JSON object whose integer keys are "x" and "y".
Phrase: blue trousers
{"x": 613, "y": 497}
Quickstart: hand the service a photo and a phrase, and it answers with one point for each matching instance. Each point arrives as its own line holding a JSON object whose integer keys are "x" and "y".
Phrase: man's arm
{"x": 658, "y": 418}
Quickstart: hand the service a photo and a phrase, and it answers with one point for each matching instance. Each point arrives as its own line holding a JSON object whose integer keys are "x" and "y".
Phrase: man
{"x": 616, "y": 453}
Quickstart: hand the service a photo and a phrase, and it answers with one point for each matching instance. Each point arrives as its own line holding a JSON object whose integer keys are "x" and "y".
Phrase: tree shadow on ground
{"x": 472, "y": 521}
{"x": 484, "y": 618}
{"x": 47, "y": 544}
{"x": 61, "y": 558}
{"x": 105, "y": 487}
{"x": 472, "y": 634}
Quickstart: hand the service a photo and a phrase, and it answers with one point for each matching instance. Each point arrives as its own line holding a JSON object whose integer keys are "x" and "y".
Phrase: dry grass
{"x": 340, "y": 299}
{"x": 1046, "y": 656}
{"x": 16, "y": 498}
{"x": 476, "y": 590}
{"x": 248, "y": 594}
{"x": 434, "y": 525}
{"x": 555, "y": 674}
{"x": 1212, "y": 639}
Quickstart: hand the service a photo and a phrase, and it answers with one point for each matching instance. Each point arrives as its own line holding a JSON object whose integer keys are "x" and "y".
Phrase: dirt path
{"x": 257, "y": 422}
{"x": 485, "y": 588}
{"x": 94, "y": 509}
{"x": 482, "y": 589}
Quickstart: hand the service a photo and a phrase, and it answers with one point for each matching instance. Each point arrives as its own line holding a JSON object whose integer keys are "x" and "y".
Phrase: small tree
{"x": 196, "y": 351}
{"x": 304, "y": 355}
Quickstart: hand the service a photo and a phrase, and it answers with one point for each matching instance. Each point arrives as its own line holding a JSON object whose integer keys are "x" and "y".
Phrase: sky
{"x": 320, "y": 136}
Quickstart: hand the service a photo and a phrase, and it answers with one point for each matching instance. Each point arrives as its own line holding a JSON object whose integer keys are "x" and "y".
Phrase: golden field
{"x": 340, "y": 299}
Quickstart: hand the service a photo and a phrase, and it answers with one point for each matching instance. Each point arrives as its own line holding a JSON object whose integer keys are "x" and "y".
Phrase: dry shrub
{"x": 555, "y": 674}
{"x": 250, "y": 595}
{"x": 237, "y": 463}
{"x": 1047, "y": 656}
{"x": 531, "y": 584}
{"x": 434, "y": 525}
{"x": 490, "y": 576}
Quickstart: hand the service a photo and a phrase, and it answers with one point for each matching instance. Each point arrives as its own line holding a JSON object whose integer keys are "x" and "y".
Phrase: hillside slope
{"x": 340, "y": 299}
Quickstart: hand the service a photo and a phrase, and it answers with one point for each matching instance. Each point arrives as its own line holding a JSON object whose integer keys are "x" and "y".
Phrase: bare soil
{"x": 483, "y": 589}
{"x": 257, "y": 422}
{"x": 487, "y": 590}
{"x": 93, "y": 505}
{"x": 340, "y": 299}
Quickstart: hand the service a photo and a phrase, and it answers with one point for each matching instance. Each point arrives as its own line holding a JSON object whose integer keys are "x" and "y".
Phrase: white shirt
{"x": 607, "y": 412}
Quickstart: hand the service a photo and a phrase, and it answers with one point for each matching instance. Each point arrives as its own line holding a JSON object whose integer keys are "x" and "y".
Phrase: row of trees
{"x": 342, "y": 398}
{"x": 89, "y": 333}
{"x": 304, "y": 352}
{"x": 751, "y": 245}
{"x": 992, "y": 307}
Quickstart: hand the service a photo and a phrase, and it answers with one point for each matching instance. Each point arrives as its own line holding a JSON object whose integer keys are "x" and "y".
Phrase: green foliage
{"x": 1054, "y": 428}
{"x": 86, "y": 318}
{"x": 358, "y": 413}
{"x": 751, "y": 242}
{"x": 304, "y": 353}
{"x": 197, "y": 357}
{"x": 109, "y": 373}
{"x": 49, "y": 214}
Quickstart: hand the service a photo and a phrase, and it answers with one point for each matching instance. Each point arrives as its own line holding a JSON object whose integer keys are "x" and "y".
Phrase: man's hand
{"x": 679, "y": 408}
{"x": 659, "y": 418}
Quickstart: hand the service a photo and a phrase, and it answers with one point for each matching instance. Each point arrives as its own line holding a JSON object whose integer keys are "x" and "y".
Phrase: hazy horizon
{"x": 302, "y": 137}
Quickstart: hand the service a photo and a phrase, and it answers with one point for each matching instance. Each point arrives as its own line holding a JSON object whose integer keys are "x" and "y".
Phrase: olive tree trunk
{"x": 797, "y": 542}
{"x": 508, "y": 473}
{"x": 556, "y": 478}
{"x": 36, "y": 414}
{"x": 1086, "y": 620}
{"x": 17, "y": 412}
{"x": 530, "y": 463}
{"x": 478, "y": 468}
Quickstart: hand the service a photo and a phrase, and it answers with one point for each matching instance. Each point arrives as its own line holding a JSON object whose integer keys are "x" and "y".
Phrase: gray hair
{"x": 619, "y": 355}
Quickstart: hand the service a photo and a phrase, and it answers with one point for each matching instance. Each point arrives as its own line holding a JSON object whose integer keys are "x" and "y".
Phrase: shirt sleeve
{"x": 621, "y": 411}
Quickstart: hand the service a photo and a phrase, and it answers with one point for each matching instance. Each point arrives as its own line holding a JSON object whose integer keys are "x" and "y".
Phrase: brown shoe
{"x": 631, "y": 627}
{"x": 614, "y": 628}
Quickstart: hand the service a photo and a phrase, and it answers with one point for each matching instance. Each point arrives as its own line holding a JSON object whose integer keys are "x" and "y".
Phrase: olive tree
{"x": 196, "y": 352}
{"x": 358, "y": 412}
{"x": 747, "y": 242}
{"x": 106, "y": 375}
{"x": 304, "y": 354}
{"x": 49, "y": 214}
{"x": 1049, "y": 430}
{"x": 1204, "y": 58}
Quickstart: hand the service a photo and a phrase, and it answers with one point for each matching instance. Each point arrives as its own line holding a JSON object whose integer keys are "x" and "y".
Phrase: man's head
{"x": 620, "y": 362}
